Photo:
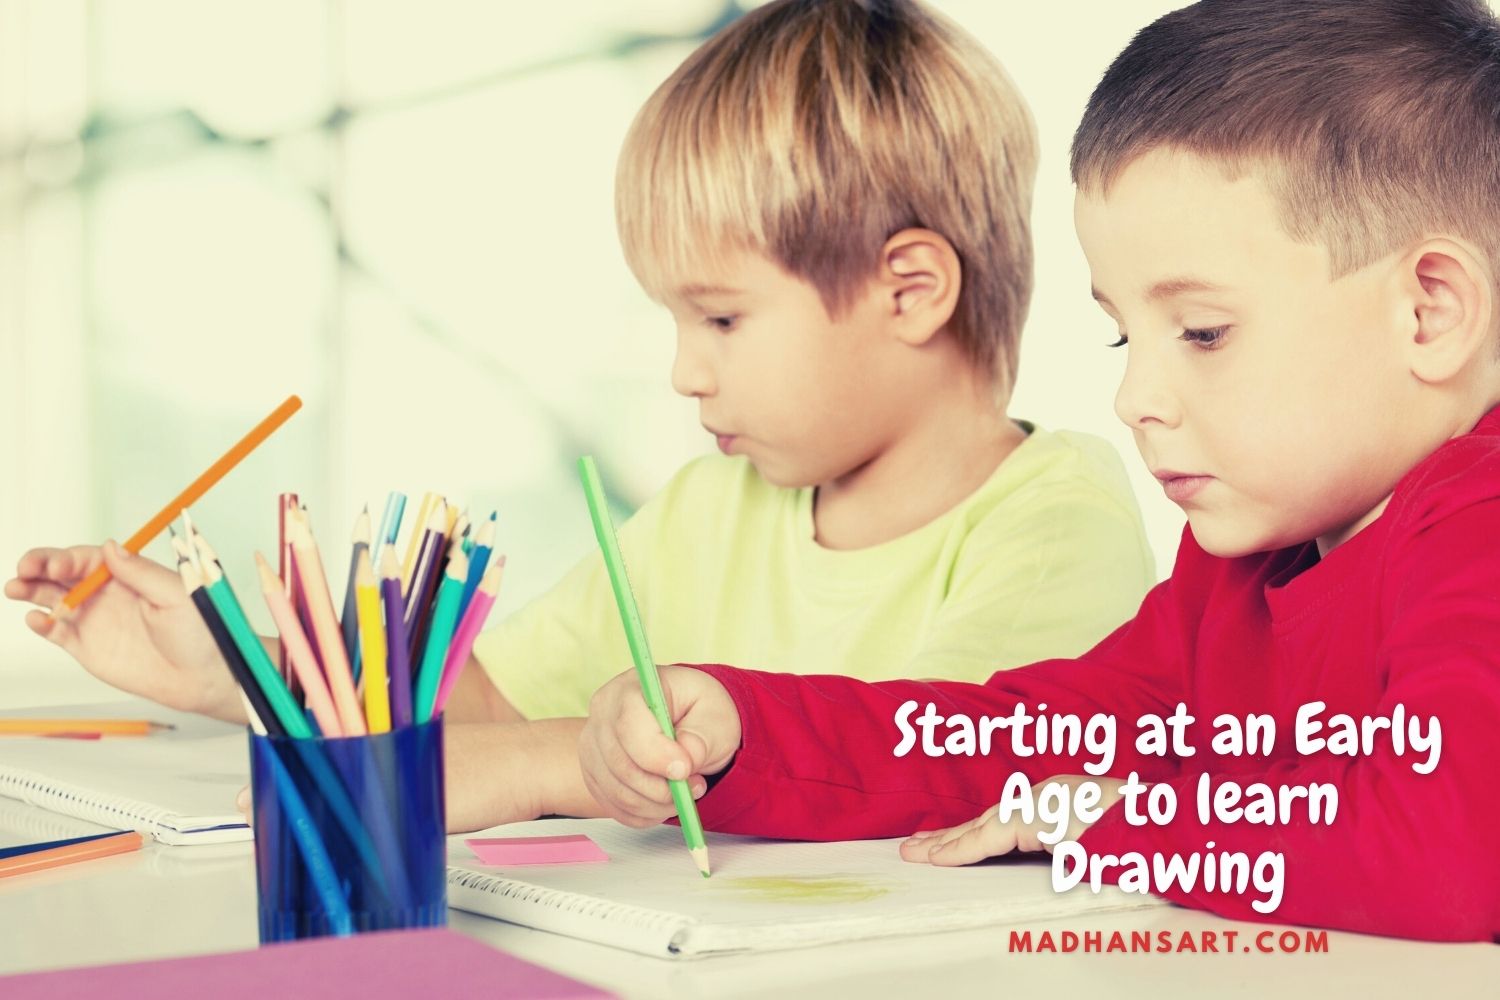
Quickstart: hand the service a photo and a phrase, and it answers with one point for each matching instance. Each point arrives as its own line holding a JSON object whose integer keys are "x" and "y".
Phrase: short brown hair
{"x": 814, "y": 130}
{"x": 1378, "y": 121}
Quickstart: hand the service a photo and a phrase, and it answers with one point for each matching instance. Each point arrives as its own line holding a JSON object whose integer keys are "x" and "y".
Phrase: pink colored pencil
{"x": 468, "y": 630}
{"x": 325, "y": 625}
{"x": 298, "y": 651}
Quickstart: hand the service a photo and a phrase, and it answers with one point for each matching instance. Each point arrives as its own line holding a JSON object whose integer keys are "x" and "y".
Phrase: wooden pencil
{"x": 398, "y": 659}
{"x": 298, "y": 650}
{"x": 440, "y": 636}
{"x": 470, "y": 624}
{"x": 372, "y": 643}
{"x": 86, "y": 587}
{"x": 325, "y": 626}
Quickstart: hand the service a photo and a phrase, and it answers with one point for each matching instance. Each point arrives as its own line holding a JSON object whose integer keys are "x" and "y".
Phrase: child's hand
{"x": 986, "y": 837}
{"x": 140, "y": 632}
{"x": 625, "y": 758}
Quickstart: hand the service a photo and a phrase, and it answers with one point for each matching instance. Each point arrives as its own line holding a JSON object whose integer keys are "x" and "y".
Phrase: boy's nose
{"x": 692, "y": 376}
{"x": 1143, "y": 397}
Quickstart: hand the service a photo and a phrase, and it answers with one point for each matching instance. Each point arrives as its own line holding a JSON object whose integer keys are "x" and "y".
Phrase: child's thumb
{"x": 155, "y": 583}
{"x": 696, "y": 747}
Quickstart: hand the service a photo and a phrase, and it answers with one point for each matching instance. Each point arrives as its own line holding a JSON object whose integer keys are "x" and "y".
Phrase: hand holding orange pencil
{"x": 140, "y": 634}
{"x": 236, "y": 454}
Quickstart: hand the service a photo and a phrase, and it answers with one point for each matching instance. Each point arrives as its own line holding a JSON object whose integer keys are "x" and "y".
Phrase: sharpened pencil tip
{"x": 700, "y": 858}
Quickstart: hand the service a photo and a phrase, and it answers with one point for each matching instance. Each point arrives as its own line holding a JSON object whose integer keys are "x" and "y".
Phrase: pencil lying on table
{"x": 94, "y": 847}
{"x": 104, "y": 727}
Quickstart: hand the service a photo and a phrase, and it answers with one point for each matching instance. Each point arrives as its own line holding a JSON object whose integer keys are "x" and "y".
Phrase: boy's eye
{"x": 1119, "y": 343}
{"x": 1207, "y": 339}
{"x": 721, "y": 323}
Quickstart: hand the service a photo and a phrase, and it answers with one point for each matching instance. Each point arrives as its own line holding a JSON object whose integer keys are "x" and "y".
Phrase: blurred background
{"x": 403, "y": 213}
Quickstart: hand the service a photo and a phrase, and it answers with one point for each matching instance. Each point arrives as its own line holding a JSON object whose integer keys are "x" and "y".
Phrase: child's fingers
{"x": 650, "y": 788}
{"x": 71, "y": 564}
{"x": 157, "y": 584}
{"x": 33, "y": 563}
{"x": 984, "y": 838}
{"x": 42, "y": 593}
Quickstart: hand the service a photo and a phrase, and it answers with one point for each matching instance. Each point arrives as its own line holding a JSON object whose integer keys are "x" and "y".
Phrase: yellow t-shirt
{"x": 1043, "y": 560}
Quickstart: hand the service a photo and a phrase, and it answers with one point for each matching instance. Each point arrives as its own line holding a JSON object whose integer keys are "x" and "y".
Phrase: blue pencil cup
{"x": 349, "y": 833}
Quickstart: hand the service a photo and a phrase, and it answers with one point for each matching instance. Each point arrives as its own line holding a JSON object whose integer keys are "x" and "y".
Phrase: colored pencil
{"x": 440, "y": 635}
{"x": 470, "y": 623}
{"x": 86, "y": 587}
{"x": 314, "y": 852}
{"x": 390, "y": 524}
{"x": 263, "y": 671}
{"x": 414, "y": 545}
{"x": 239, "y": 667}
{"x": 424, "y": 581}
{"x": 399, "y": 664}
{"x": 348, "y": 621}
{"x": 104, "y": 727}
{"x": 372, "y": 642}
{"x": 299, "y": 653}
{"x": 100, "y": 847}
{"x": 640, "y": 652}
{"x": 484, "y": 545}
{"x": 17, "y": 851}
{"x": 325, "y": 626}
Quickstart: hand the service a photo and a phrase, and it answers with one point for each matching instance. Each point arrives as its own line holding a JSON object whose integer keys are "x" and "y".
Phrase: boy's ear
{"x": 1449, "y": 293}
{"x": 919, "y": 279}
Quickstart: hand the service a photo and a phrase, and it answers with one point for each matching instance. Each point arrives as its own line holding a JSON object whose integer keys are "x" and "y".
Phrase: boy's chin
{"x": 781, "y": 475}
{"x": 1227, "y": 538}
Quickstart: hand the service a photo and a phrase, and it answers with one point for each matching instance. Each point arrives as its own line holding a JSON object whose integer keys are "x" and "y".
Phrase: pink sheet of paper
{"x": 392, "y": 965}
{"x": 514, "y": 851}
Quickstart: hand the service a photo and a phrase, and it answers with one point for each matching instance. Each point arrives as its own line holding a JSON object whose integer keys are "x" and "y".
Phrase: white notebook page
{"x": 763, "y": 894}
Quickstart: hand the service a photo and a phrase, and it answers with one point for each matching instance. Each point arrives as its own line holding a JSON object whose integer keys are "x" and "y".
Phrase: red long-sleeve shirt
{"x": 1405, "y": 612}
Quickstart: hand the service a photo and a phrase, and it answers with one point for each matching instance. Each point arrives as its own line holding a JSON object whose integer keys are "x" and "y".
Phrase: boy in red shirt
{"x": 1288, "y": 207}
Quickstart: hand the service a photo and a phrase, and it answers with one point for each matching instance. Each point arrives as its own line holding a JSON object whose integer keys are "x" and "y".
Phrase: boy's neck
{"x": 941, "y": 459}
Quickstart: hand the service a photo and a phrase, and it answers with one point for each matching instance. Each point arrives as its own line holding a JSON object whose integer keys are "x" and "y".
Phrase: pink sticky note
{"x": 511, "y": 851}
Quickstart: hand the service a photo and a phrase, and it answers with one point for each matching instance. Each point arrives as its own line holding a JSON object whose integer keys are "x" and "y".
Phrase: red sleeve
{"x": 816, "y": 760}
{"x": 1409, "y": 854}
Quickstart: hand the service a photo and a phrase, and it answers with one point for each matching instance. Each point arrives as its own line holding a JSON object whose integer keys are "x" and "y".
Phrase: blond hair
{"x": 1376, "y": 122}
{"x": 812, "y": 131}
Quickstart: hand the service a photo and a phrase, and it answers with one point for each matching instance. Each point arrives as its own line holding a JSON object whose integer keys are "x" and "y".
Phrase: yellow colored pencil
{"x": 372, "y": 645}
{"x": 414, "y": 544}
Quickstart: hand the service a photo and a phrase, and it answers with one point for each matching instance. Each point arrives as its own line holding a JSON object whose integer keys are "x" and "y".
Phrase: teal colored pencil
{"x": 645, "y": 666}
{"x": 440, "y": 633}
{"x": 265, "y": 672}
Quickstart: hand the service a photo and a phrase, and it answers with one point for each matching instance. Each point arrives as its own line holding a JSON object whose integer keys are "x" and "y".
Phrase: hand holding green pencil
{"x": 640, "y": 652}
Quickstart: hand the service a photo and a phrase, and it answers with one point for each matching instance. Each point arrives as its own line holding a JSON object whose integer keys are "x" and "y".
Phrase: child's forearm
{"x": 476, "y": 699}
{"x": 511, "y": 771}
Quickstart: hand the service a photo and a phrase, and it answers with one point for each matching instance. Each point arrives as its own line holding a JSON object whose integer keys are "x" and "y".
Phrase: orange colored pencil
{"x": 102, "y": 848}
{"x": 325, "y": 626}
{"x": 104, "y": 727}
{"x": 86, "y": 587}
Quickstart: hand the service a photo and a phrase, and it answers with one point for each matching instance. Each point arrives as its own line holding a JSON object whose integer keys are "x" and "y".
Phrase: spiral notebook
{"x": 177, "y": 786}
{"x": 764, "y": 895}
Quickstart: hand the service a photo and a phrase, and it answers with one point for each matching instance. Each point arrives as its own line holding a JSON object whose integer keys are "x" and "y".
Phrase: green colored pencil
{"x": 440, "y": 633}
{"x": 254, "y": 651}
{"x": 645, "y": 666}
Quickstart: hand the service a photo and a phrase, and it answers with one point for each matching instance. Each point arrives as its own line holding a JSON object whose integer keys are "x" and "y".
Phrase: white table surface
{"x": 171, "y": 901}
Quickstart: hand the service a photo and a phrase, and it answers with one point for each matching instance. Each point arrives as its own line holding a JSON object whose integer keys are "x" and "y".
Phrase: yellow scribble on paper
{"x": 806, "y": 888}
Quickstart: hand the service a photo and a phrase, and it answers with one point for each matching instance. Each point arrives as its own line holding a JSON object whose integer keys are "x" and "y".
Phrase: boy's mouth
{"x": 724, "y": 441}
{"x": 1181, "y": 487}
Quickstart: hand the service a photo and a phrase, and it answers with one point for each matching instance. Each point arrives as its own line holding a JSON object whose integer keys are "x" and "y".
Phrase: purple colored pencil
{"x": 426, "y": 575}
{"x": 398, "y": 666}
